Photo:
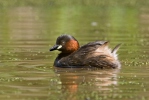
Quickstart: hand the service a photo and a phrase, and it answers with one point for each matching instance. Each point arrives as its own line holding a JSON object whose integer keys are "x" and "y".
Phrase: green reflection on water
{"x": 28, "y": 27}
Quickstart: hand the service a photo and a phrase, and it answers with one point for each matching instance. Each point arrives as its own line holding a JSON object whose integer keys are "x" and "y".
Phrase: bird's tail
{"x": 116, "y": 49}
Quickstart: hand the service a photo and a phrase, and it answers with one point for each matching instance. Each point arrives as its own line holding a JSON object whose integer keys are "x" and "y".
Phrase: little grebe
{"x": 93, "y": 54}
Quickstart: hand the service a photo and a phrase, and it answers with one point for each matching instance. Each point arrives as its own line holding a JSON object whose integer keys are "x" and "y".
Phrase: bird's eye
{"x": 63, "y": 42}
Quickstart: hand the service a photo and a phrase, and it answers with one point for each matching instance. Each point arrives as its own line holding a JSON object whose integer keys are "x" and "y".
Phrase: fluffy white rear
{"x": 105, "y": 50}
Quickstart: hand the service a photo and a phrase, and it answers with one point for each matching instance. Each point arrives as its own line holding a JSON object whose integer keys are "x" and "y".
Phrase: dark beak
{"x": 54, "y": 47}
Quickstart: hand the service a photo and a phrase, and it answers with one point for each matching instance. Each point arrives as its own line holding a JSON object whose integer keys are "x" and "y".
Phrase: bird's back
{"x": 93, "y": 54}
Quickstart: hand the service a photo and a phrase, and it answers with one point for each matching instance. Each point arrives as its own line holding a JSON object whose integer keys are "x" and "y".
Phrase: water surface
{"x": 29, "y": 29}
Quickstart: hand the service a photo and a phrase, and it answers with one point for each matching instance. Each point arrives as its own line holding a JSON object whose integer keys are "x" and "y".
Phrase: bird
{"x": 93, "y": 54}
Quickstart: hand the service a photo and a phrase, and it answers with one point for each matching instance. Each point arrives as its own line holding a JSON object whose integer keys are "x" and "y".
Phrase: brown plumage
{"x": 93, "y": 54}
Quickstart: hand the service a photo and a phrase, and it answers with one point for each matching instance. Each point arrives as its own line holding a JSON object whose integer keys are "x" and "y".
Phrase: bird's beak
{"x": 56, "y": 47}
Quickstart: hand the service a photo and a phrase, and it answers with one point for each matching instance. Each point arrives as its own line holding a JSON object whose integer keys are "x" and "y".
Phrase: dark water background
{"x": 28, "y": 28}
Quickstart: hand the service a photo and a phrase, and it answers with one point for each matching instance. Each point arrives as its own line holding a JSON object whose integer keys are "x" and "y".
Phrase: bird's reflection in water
{"x": 74, "y": 80}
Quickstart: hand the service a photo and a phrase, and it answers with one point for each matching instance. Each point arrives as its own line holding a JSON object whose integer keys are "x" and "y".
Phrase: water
{"x": 29, "y": 28}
